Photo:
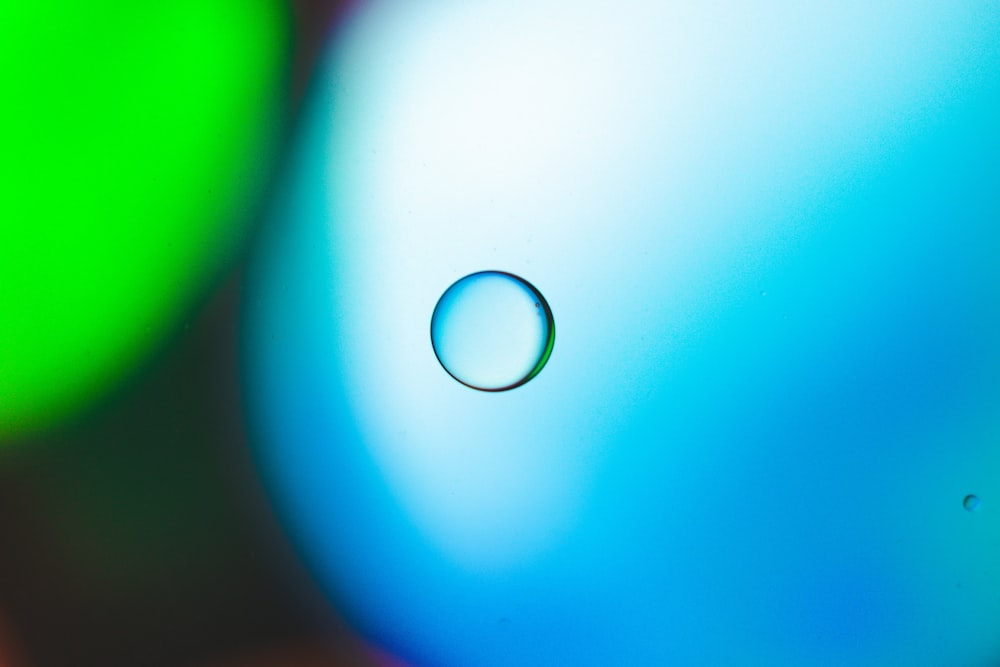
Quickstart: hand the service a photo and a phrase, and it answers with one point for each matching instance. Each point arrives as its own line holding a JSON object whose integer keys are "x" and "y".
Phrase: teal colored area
{"x": 769, "y": 234}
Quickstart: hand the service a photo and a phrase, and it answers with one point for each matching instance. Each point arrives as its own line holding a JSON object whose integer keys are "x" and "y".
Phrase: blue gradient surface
{"x": 770, "y": 234}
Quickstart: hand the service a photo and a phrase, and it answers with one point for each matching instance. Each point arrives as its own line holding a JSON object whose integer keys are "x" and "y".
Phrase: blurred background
{"x": 140, "y": 146}
{"x": 767, "y": 434}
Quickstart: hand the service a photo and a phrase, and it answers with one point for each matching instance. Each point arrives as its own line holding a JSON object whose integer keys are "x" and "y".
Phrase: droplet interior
{"x": 492, "y": 331}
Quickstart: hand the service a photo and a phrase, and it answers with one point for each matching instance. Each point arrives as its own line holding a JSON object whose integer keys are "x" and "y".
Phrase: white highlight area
{"x": 648, "y": 165}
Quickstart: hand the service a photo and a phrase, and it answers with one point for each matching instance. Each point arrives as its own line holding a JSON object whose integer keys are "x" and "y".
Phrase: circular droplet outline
{"x": 971, "y": 503}
{"x": 543, "y": 359}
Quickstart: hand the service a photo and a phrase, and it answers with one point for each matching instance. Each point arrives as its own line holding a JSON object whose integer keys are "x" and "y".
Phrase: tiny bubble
{"x": 971, "y": 502}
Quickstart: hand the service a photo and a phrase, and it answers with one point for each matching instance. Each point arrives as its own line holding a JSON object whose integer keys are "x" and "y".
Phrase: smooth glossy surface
{"x": 703, "y": 474}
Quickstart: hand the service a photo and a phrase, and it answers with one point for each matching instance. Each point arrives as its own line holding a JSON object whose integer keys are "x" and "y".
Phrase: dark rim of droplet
{"x": 539, "y": 301}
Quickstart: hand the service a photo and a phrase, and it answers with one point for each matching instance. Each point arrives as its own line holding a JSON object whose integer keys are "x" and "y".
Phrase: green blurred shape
{"x": 134, "y": 136}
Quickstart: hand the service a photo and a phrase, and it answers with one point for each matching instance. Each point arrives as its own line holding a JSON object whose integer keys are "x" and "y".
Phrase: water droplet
{"x": 971, "y": 502}
{"x": 492, "y": 331}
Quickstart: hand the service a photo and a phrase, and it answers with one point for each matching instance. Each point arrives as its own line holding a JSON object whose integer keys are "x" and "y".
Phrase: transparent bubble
{"x": 971, "y": 502}
{"x": 492, "y": 331}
